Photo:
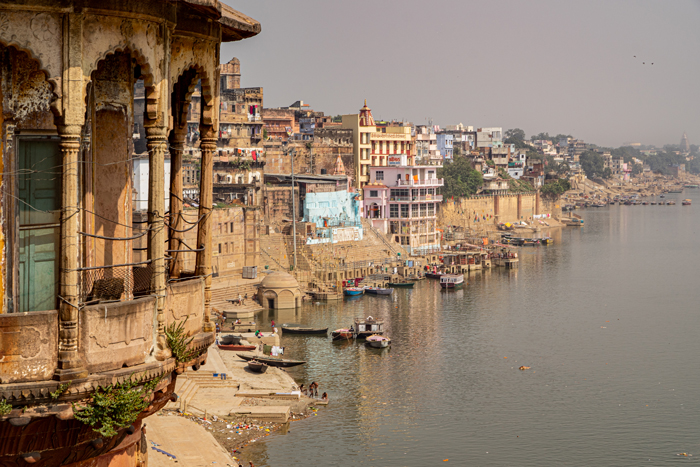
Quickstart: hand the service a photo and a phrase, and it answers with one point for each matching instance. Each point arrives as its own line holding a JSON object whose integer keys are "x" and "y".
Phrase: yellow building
{"x": 377, "y": 145}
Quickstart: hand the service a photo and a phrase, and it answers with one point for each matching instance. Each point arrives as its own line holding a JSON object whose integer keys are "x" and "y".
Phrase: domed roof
{"x": 280, "y": 280}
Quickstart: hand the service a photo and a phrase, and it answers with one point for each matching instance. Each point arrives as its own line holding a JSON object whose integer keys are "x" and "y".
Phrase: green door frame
{"x": 38, "y": 214}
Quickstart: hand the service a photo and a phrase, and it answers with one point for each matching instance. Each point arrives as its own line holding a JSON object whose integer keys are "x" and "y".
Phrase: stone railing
{"x": 111, "y": 336}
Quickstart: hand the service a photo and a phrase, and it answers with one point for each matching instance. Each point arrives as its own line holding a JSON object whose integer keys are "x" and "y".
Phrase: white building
{"x": 403, "y": 201}
{"x": 489, "y": 137}
{"x": 517, "y": 164}
{"x": 140, "y": 189}
{"x": 426, "y": 146}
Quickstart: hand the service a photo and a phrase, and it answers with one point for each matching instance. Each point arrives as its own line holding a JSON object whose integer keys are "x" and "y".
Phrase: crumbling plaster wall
{"x": 112, "y": 149}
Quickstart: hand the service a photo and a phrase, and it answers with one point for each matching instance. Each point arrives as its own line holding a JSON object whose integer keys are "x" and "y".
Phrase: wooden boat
{"x": 451, "y": 281}
{"x": 365, "y": 327}
{"x": 676, "y": 190}
{"x": 546, "y": 240}
{"x": 690, "y": 185}
{"x": 299, "y": 329}
{"x": 272, "y": 361}
{"x": 237, "y": 347}
{"x": 228, "y": 340}
{"x": 378, "y": 342}
{"x": 350, "y": 291}
{"x": 406, "y": 285}
{"x": 686, "y": 202}
{"x": 653, "y": 203}
{"x": 433, "y": 275}
{"x": 343, "y": 334}
{"x": 258, "y": 367}
{"x": 378, "y": 290}
{"x": 670, "y": 203}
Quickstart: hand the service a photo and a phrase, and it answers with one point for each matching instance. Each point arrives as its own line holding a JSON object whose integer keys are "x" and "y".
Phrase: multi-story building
{"x": 279, "y": 124}
{"x": 445, "y": 145}
{"x": 389, "y": 142}
{"x": 517, "y": 164}
{"x": 377, "y": 145}
{"x": 616, "y": 165}
{"x": 488, "y": 138}
{"x": 426, "y": 145}
{"x": 403, "y": 202}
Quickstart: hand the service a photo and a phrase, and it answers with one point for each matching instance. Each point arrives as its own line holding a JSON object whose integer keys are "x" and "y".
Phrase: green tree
{"x": 516, "y": 134}
{"x": 460, "y": 178}
{"x": 592, "y": 164}
{"x": 540, "y": 136}
{"x": 554, "y": 189}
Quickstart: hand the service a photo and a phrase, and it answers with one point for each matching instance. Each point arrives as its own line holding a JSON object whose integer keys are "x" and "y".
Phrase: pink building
{"x": 402, "y": 201}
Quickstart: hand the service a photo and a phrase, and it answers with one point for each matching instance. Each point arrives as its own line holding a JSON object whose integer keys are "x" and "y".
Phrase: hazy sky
{"x": 560, "y": 66}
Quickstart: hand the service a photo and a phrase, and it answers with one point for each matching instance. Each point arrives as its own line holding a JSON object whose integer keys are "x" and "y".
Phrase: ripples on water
{"x": 607, "y": 319}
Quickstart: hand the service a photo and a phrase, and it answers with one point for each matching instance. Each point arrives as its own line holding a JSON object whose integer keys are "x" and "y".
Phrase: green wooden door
{"x": 39, "y": 179}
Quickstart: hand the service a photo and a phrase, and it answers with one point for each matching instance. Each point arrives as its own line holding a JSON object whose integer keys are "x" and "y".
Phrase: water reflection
{"x": 605, "y": 317}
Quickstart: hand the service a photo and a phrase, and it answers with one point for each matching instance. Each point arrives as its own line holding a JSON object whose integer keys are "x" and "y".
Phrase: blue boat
{"x": 352, "y": 291}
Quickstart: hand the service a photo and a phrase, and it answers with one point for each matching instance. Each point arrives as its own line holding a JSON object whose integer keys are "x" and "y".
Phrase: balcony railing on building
{"x": 421, "y": 182}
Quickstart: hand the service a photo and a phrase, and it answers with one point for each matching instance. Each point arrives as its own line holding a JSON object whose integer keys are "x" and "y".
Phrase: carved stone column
{"x": 157, "y": 144}
{"x": 177, "y": 144}
{"x": 70, "y": 365}
{"x": 206, "y": 188}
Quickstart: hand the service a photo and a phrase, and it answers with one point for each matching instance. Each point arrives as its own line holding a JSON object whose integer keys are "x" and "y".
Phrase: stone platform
{"x": 273, "y": 413}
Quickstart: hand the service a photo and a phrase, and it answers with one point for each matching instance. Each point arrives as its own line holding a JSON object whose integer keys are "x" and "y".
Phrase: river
{"x": 607, "y": 318}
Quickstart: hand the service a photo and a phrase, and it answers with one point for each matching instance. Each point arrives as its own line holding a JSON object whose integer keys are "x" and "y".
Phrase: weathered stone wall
{"x": 111, "y": 152}
{"x": 184, "y": 300}
{"x": 235, "y": 240}
{"x": 113, "y": 335}
{"x": 28, "y": 346}
{"x": 278, "y": 204}
{"x": 503, "y": 208}
{"x": 309, "y": 158}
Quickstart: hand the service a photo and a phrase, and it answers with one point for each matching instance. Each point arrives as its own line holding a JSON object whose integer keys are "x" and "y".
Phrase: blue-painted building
{"x": 336, "y": 215}
{"x": 445, "y": 145}
{"x": 332, "y": 209}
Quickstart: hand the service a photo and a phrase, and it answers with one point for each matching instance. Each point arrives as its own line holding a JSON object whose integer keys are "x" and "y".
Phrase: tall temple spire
{"x": 685, "y": 146}
{"x": 366, "y": 118}
{"x": 339, "y": 166}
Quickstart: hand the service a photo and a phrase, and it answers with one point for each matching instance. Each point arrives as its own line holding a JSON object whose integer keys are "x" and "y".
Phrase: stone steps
{"x": 194, "y": 381}
{"x": 276, "y": 414}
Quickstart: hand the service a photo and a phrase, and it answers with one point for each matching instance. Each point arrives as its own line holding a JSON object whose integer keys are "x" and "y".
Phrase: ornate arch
{"x": 151, "y": 90}
{"x": 192, "y": 75}
{"x": 30, "y": 90}
{"x": 142, "y": 40}
{"x": 39, "y": 36}
{"x": 188, "y": 53}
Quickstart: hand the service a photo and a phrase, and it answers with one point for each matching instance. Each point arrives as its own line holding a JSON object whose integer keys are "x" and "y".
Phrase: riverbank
{"x": 585, "y": 190}
{"x": 236, "y": 410}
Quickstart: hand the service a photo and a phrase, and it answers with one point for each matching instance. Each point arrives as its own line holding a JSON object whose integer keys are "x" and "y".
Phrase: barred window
{"x": 393, "y": 210}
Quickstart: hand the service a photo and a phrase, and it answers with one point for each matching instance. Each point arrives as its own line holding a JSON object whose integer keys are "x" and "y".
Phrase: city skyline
{"x": 580, "y": 69}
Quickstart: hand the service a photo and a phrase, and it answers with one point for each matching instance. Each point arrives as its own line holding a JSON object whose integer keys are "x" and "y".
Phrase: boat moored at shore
{"x": 451, "y": 281}
{"x": 353, "y": 291}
